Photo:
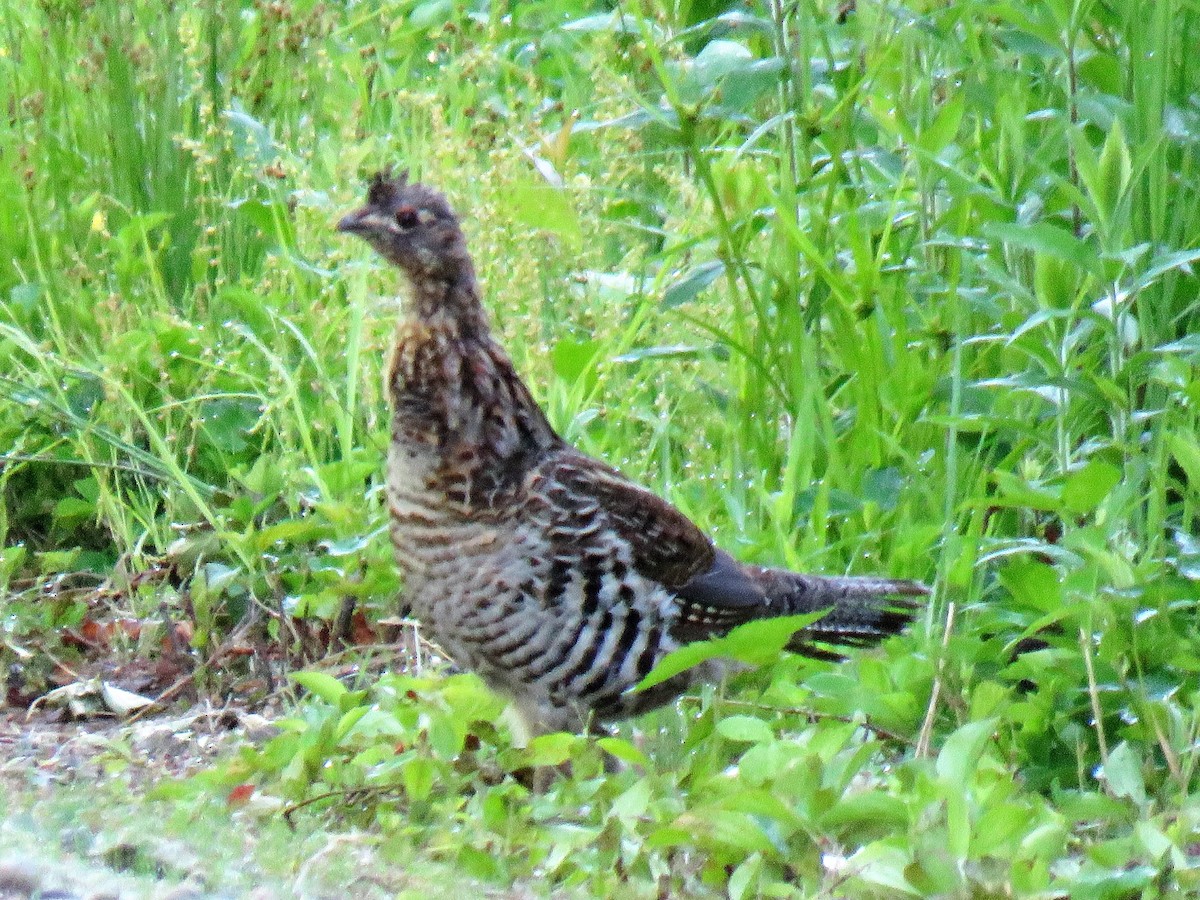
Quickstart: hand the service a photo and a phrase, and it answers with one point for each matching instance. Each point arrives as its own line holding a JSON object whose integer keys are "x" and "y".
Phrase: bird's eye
{"x": 406, "y": 217}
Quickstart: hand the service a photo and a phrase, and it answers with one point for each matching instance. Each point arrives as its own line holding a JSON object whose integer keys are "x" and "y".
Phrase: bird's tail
{"x": 862, "y": 611}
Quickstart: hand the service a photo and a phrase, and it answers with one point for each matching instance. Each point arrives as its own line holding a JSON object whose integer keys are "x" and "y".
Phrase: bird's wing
{"x": 714, "y": 591}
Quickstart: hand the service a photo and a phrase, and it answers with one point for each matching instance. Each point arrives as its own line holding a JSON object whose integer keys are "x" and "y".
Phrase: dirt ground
{"x": 75, "y": 823}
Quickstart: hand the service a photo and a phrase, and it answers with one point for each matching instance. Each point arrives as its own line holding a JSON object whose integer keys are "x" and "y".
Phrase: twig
{"x": 810, "y": 714}
{"x": 289, "y": 811}
{"x": 926, "y": 735}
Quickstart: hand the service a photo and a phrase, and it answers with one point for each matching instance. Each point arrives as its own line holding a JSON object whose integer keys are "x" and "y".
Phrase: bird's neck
{"x": 458, "y": 403}
{"x": 451, "y": 303}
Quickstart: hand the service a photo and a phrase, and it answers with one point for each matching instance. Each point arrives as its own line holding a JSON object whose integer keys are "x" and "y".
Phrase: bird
{"x": 547, "y": 572}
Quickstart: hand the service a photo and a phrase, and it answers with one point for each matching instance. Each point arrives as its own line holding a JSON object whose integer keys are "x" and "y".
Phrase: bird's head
{"x": 412, "y": 226}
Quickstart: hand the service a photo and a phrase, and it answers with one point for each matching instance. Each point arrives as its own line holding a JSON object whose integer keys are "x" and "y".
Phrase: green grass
{"x": 909, "y": 293}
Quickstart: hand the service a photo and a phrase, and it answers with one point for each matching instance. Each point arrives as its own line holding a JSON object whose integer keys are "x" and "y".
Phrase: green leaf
{"x": 1186, "y": 451}
{"x": 744, "y": 86}
{"x": 634, "y": 802}
{"x": 545, "y": 208}
{"x": 763, "y": 640}
{"x": 697, "y": 79}
{"x": 960, "y": 754}
{"x": 678, "y": 661}
{"x": 871, "y": 808}
{"x": 431, "y": 14}
{"x": 623, "y": 750}
{"x": 734, "y": 829}
{"x": 745, "y": 877}
{"x": 1162, "y": 263}
{"x": 478, "y": 864}
{"x": 745, "y": 728}
{"x": 1087, "y": 487}
{"x": 551, "y": 749}
{"x": 294, "y": 531}
{"x": 71, "y": 511}
{"x": 673, "y": 351}
{"x": 1055, "y": 281}
{"x": 883, "y": 487}
{"x": 347, "y": 546}
{"x": 418, "y": 775}
{"x": 692, "y": 282}
{"x": 755, "y": 643}
{"x": 251, "y": 138}
{"x": 1032, "y": 583}
{"x": 944, "y": 127}
{"x": 1043, "y": 237}
{"x": 320, "y": 685}
{"x": 349, "y": 719}
{"x": 1123, "y": 772}
{"x": 1114, "y": 169}
{"x": 446, "y": 735}
{"x": 573, "y": 359}
{"x": 1015, "y": 491}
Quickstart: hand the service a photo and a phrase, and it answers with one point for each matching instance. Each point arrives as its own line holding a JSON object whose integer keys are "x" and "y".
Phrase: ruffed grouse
{"x": 548, "y": 573}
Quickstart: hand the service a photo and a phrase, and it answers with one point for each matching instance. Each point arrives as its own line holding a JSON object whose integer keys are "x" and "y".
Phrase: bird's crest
{"x": 383, "y": 187}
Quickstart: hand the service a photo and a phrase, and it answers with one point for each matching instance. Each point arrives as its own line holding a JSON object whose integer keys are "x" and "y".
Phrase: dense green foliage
{"x": 898, "y": 289}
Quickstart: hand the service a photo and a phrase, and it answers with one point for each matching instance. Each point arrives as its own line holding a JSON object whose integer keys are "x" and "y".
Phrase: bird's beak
{"x": 353, "y": 222}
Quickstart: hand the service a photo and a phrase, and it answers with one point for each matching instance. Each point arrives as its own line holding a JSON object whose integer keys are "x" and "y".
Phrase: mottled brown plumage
{"x": 547, "y": 572}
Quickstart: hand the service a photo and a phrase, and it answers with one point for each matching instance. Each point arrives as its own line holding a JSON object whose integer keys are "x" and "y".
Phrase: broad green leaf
{"x": 431, "y": 14}
{"x": 251, "y": 138}
{"x": 744, "y": 877}
{"x": 761, "y": 641}
{"x": 1043, "y": 237}
{"x": 871, "y": 808}
{"x": 346, "y": 546}
{"x": 1162, "y": 263}
{"x": 321, "y": 685}
{"x": 961, "y": 751}
{"x": 486, "y": 866}
{"x": 733, "y": 829}
{"x": 1123, "y": 773}
{"x": 348, "y": 720}
{"x": 883, "y": 487}
{"x": 545, "y": 208}
{"x": 680, "y": 660}
{"x": 1157, "y": 844}
{"x": 551, "y": 749}
{"x": 573, "y": 359}
{"x": 1015, "y": 491}
{"x": 718, "y": 59}
{"x": 745, "y": 728}
{"x": 624, "y": 751}
{"x": 1114, "y": 169}
{"x": 418, "y": 775}
{"x": 290, "y": 531}
{"x": 755, "y": 643}
{"x": 884, "y": 865}
{"x": 446, "y": 735}
{"x": 71, "y": 510}
{"x": 1087, "y": 487}
{"x": 744, "y": 86}
{"x": 633, "y": 802}
{"x": 1055, "y": 281}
